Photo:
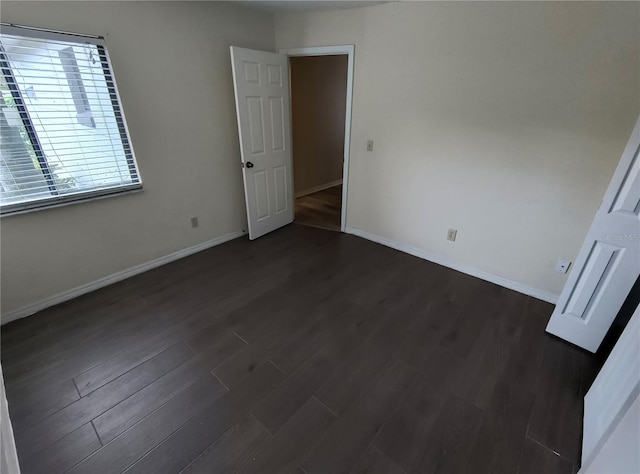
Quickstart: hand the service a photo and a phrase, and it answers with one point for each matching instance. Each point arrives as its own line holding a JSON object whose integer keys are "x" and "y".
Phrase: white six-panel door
{"x": 608, "y": 263}
{"x": 261, "y": 84}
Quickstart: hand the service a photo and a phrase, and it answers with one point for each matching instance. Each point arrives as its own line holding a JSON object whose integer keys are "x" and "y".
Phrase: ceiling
{"x": 283, "y": 6}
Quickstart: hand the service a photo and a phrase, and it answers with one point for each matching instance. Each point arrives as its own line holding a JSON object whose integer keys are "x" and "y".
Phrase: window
{"x": 63, "y": 136}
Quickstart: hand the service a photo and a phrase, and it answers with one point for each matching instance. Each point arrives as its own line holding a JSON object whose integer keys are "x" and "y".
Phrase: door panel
{"x": 599, "y": 266}
{"x": 256, "y": 128}
{"x": 261, "y": 194}
{"x": 628, "y": 199}
{"x": 251, "y": 72}
{"x": 608, "y": 263}
{"x": 280, "y": 176}
{"x": 276, "y": 107}
{"x": 261, "y": 87}
{"x": 275, "y": 74}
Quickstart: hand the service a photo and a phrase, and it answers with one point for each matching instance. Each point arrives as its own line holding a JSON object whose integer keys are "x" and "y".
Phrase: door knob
{"x": 249, "y": 164}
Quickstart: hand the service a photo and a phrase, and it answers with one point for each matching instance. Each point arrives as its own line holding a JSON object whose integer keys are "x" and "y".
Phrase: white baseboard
{"x": 315, "y": 189}
{"x": 33, "y": 308}
{"x": 498, "y": 280}
{"x": 143, "y": 267}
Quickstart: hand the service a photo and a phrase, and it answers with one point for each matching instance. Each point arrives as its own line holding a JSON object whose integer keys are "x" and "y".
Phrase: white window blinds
{"x": 63, "y": 135}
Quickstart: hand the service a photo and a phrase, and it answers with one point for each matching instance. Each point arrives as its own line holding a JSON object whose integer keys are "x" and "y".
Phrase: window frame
{"x": 56, "y": 199}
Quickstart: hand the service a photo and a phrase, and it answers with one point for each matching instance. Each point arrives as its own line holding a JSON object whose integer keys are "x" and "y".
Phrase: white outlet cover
{"x": 562, "y": 266}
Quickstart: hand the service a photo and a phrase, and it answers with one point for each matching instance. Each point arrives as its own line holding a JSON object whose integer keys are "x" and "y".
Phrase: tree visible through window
{"x": 62, "y": 131}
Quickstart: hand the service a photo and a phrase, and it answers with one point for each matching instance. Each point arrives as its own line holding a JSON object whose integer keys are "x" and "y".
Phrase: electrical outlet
{"x": 194, "y": 222}
{"x": 369, "y": 145}
{"x": 451, "y": 235}
{"x": 562, "y": 266}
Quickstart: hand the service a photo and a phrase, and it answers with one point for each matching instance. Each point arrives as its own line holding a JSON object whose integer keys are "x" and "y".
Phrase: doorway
{"x": 321, "y": 86}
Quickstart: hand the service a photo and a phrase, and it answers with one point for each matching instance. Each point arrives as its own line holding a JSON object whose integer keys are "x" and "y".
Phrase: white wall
{"x": 171, "y": 63}
{"x": 503, "y": 120}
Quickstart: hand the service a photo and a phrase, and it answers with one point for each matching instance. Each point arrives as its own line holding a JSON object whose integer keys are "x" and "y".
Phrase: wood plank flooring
{"x": 321, "y": 209}
{"x": 304, "y": 351}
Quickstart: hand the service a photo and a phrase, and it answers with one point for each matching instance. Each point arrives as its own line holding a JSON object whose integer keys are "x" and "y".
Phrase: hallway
{"x": 321, "y": 209}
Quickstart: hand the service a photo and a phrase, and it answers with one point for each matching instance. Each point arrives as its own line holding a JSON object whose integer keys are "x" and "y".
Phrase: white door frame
{"x": 349, "y": 50}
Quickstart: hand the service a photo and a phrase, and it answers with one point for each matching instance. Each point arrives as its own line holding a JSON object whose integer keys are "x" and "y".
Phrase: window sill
{"x": 71, "y": 200}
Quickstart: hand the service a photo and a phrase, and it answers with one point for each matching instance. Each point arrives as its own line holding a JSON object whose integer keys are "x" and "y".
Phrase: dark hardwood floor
{"x": 321, "y": 209}
{"x": 305, "y": 351}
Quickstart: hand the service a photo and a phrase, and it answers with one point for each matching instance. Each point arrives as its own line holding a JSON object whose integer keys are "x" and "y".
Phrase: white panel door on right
{"x": 612, "y": 393}
{"x": 608, "y": 263}
{"x": 261, "y": 84}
